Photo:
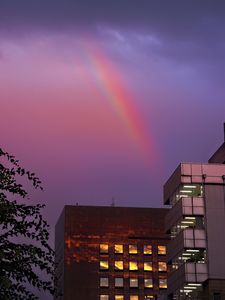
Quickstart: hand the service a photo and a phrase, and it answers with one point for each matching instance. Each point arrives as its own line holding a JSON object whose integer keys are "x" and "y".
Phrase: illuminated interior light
{"x": 195, "y": 284}
{"x": 192, "y": 250}
{"x": 190, "y": 287}
{"x": 190, "y": 186}
{"x": 187, "y": 222}
{"x": 187, "y": 191}
{"x": 190, "y": 218}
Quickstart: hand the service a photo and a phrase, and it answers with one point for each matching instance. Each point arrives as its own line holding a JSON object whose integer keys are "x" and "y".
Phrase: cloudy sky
{"x": 103, "y": 99}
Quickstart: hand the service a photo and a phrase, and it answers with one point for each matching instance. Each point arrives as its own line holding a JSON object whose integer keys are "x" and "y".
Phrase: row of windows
{"x": 133, "y": 282}
{"x": 133, "y": 265}
{"x": 121, "y": 297}
{"x": 132, "y": 249}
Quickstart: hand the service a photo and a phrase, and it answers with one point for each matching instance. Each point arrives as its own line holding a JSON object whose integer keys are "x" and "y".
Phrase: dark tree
{"x": 24, "y": 249}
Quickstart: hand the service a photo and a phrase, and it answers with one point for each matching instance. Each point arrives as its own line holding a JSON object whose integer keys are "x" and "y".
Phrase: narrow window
{"x": 133, "y": 282}
{"x": 148, "y": 266}
{"x": 162, "y": 267}
{"x": 162, "y": 283}
{"x": 147, "y": 249}
{"x": 118, "y": 282}
{"x": 134, "y": 297}
{"x": 118, "y": 265}
{"x": 104, "y": 297}
{"x": 104, "y": 265}
{"x": 119, "y": 297}
{"x": 161, "y": 250}
{"x": 133, "y": 266}
{"x": 104, "y": 248}
{"x": 148, "y": 283}
{"x": 104, "y": 282}
{"x": 118, "y": 249}
{"x": 133, "y": 249}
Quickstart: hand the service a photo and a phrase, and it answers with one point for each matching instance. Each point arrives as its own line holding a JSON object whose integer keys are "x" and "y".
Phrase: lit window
{"x": 104, "y": 248}
{"x": 104, "y": 265}
{"x": 104, "y": 282}
{"x": 133, "y": 297}
{"x": 118, "y": 249}
{"x": 133, "y": 249}
{"x": 148, "y": 297}
{"x": 162, "y": 266}
{"x": 147, "y": 249}
{"x": 104, "y": 297}
{"x": 119, "y": 297}
{"x": 133, "y": 282}
{"x": 148, "y": 266}
{"x": 118, "y": 265}
{"x": 148, "y": 282}
{"x": 133, "y": 266}
{"x": 118, "y": 282}
{"x": 163, "y": 283}
{"x": 161, "y": 250}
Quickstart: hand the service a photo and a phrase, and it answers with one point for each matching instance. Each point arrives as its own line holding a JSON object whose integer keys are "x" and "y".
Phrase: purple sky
{"x": 57, "y": 117}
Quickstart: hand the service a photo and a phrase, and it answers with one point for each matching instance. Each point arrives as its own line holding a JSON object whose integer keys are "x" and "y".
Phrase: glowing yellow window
{"x": 148, "y": 266}
{"x": 148, "y": 283}
{"x": 133, "y": 249}
{"x": 163, "y": 283}
{"x": 104, "y": 297}
{"x": 147, "y": 249}
{"x": 133, "y": 297}
{"x": 119, "y": 297}
{"x": 149, "y": 297}
{"x": 104, "y": 265}
{"x": 161, "y": 250}
{"x": 118, "y": 249}
{"x": 162, "y": 266}
{"x": 133, "y": 266}
{"x": 104, "y": 248}
{"x": 118, "y": 265}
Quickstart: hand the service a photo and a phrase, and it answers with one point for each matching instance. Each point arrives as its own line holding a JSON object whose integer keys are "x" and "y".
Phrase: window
{"x": 161, "y": 250}
{"x": 104, "y": 282}
{"x": 147, "y": 249}
{"x": 104, "y": 265}
{"x": 133, "y": 282}
{"x": 162, "y": 266}
{"x": 148, "y": 266}
{"x": 104, "y": 297}
{"x": 119, "y": 297}
{"x": 104, "y": 248}
{"x": 133, "y": 266}
{"x": 118, "y": 282}
{"x": 148, "y": 283}
{"x": 162, "y": 283}
{"x": 118, "y": 265}
{"x": 216, "y": 296}
{"x": 133, "y": 297}
{"x": 118, "y": 249}
{"x": 133, "y": 249}
{"x": 147, "y": 297}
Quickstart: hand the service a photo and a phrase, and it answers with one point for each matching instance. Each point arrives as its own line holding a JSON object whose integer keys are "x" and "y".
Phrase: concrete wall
{"x": 215, "y": 218}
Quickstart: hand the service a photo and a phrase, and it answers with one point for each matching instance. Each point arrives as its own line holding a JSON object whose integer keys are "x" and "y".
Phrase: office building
{"x": 111, "y": 253}
{"x": 196, "y": 224}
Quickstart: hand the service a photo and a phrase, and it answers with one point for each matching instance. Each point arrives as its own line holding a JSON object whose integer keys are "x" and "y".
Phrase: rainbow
{"x": 108, "y": 82}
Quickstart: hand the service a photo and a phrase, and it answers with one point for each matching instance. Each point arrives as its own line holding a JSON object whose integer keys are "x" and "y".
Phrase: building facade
{"x": 196, "y": 224}
{"x": 111, "y": 253}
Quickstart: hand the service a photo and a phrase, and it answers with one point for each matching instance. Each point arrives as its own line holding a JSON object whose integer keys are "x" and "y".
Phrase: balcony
{"x": 188, "y": 206}
{"x": 187, "y": 239}
{"x": 186, "y": 274}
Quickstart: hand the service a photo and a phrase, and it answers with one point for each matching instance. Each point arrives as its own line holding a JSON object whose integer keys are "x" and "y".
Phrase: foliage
{"x": 24, "y": 249}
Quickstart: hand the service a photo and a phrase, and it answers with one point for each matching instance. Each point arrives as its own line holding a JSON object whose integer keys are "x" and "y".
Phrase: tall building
{"x": 111, "y": 253}
{"x": 196, "y": 224}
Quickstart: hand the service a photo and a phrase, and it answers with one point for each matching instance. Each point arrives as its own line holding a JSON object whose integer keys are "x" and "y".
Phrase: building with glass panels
{"x": 111, "y": 253}
{"x": 196, "y": 224}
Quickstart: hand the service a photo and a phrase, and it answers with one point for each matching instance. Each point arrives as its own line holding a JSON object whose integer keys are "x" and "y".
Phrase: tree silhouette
{"x": 24, "y": 249}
